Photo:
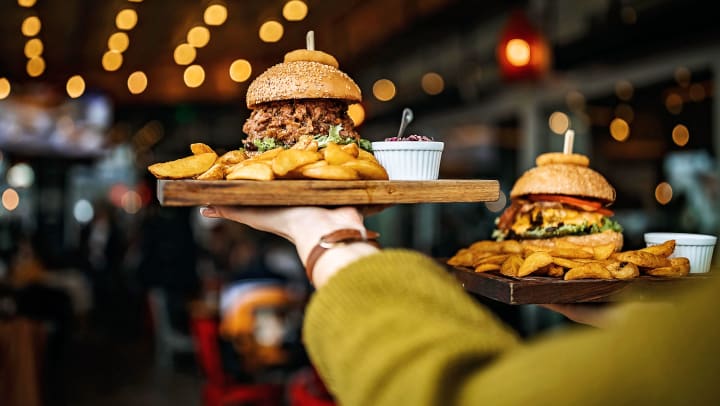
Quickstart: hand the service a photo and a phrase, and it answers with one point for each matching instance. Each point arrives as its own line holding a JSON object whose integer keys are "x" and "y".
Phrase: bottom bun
{"x": 590, "y": 240}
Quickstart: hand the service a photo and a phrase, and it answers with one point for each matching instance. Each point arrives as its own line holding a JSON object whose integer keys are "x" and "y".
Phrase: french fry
{"x": 510, "y": 247}
{"x": 487, "y": 267}
{"x": 642, "y": 259}
{"x": 368, "y": 156}
{"x": 216, "y": 172}
{"x": 486, "y": 246}
{"x": 511, "y": 266}
{"x": 566, "y": 263}
{"x": 232, "y": 157}
{"x": 331, "y": 172}
{"x": 306, "y": 143}
{"x": 603, "y": 251}
{"x": 334, "y": 155}
{"x": 493, "y": 259}
{"x": 252, "y": 171}
{"x": 352, "y": 149}
{"x": 367, "y": 169}
{"x": 290, "y": 159}
{"x": 591, "y": 270}
{"x": 627, "y": 271}
{"x": 571, "y": 253}
{"x": 183, "y": 168}
{"x": 663, "y": 250}
{"x": 534, "y": 262}
{"x": 268, "y": 155}
{"x": 200, "y": 148}
{"x": 682, "y": 264}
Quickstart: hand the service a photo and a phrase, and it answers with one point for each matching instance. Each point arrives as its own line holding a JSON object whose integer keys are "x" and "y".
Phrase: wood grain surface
{"x": 544, "y": 290}
{"x": 323, "y": 192}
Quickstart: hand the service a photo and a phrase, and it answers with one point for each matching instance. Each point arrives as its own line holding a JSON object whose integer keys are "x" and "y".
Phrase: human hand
{"x": 595, "y": 315}
{"x": 303, "y": 226}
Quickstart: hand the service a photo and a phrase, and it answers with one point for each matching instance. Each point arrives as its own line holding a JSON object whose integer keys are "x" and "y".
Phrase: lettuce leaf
{"x": 333, "y": 135}
{"x": 266, "y": 144}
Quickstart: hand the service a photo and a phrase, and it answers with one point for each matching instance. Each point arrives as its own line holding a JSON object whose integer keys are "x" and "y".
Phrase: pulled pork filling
{"x": 285, "y": 121}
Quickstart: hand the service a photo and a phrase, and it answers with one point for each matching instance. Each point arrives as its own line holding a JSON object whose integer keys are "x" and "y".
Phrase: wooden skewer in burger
{"x": 561, "y": 199}
{"x": 304, "y": 95}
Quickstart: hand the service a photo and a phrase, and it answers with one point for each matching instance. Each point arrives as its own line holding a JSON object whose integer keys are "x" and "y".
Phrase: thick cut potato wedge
{"x": 200, "y": 148}
{"x": 290, "y": 159}
{"x": 334, "y": 155}
{"x": 367, "y": 169}
{"x": 331, "y": 172}
{"x": 252, "y": 171}
{"x": 184, "y": 168}
{"x": 232, "y": 157}
{"x": 216, "y": 172}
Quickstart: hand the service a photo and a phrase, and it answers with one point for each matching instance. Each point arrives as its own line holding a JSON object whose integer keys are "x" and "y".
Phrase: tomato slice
{"x": 587, "y": 205}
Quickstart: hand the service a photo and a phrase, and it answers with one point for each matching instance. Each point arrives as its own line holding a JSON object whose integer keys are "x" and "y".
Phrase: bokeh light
{"x": 696, "y": 92}
{"x": 131, "y": 202}
{"x": 4, "y": 88}
{"x": 194, "y": 76}
{"x": 118, "y": 42}
{"x": 356, "y": 111}
{"x": 31, "y": 26}
{"x": 271, "y": 31}
{"x": 674, "y": 103}
{"x": 498, "y": 205}
{"x": 126, "y": 19}
{"x": 26, "y": 3}
{"x": 683, "y": 76}
{"x": 198, "y": 36}
{"x": 83, "y": 211}
{"x": 680, "y": 135}
{"x": 184, "y": 54}
{"x": 559, "y": 122}
{"x": 663, "y": 193}
{"x": 624, "y": 90}
{"x": 575, "y": 100}
{"x": 384, "y": 90}
{"x": 619, "y": 129}
{"x": 137, "y": 82}
{"x": 628, "y": 15}
{"x": 625, "y": 111}
{"x": 295, "y": 10}
{"x": 517, "y": 52}
{"x": 432, "y": 83}
{"x": 112, "y": 61}
{"x": 33, "y": 47}
{"x": 215, "y": 14}
{"x": 20, "y": 175}
{"x": 75, "y": 86}
{"x": 35, "y": 66}
{"x": 240, "y": 70}
{"x": 10, "y": 199}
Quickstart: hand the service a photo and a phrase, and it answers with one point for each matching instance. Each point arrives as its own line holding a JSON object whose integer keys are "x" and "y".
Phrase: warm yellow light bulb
{"x": 619, "y": 129}
{"x": 75, "y": 86}
{"x": 198, "y": 36}
{"x": 26, "y": 3}
{"x": 517, "y": 52}
{"x": 271, "y": 31}
{"x": 31, "y": 26}
{"x": 559, "y": 122}
{"x": 126, "y": 19}
{"x": 112, "y": 61}
{"x": 194, "y": 76}
{"x": 118, "y": 42}
{"x": 184, "y": 54}
{"x": 137, "y": 82}
{"x": 663, "y": 193}
{"x": 240, "y": 70}
{"x": 34, "y": 47}
{"x": 295, "y": 10}
{"x": 35, "y": 66}
{"x": 4, "y": 89}
{"x": 215, "y": 14}
{"x": 680, "y": 135}
{"x": 10, "y": 199}
{"x": 432, "y": 83}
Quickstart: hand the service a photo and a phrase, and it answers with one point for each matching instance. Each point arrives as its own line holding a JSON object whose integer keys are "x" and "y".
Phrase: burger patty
{"x": 285, "y": 121}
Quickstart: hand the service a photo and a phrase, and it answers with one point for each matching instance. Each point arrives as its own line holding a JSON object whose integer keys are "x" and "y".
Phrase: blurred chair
{"x": 168, "y": 341}
{"x": 220, "y": 389}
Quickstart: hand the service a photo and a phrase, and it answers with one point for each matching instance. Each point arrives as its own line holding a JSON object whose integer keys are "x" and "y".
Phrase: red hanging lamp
{"x": 523, "y": 52}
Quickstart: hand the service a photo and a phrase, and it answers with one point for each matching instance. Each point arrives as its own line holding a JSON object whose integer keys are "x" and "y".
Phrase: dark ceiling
{"x": 75, "y": 35}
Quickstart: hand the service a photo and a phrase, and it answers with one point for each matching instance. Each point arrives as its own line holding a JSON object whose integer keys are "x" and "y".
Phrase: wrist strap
{"x": 344, "y": 236}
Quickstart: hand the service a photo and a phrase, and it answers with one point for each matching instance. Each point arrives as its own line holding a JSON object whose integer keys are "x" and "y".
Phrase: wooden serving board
{"x": 545, "y": 290}
{"x": 323, "y": 192}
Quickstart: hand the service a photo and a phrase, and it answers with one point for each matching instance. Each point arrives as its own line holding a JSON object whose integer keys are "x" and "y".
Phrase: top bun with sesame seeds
{"x": 302, "y": 80}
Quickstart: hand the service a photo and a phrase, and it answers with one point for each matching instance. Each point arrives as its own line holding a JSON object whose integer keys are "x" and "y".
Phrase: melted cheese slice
{"x": 554, "y": 216}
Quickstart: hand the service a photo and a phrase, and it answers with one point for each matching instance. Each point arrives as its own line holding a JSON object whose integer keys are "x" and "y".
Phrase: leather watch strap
{"x": 343, "y": 236}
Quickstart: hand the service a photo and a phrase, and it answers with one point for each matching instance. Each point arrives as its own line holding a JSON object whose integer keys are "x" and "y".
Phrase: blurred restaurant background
{"x": 108, "y": 298}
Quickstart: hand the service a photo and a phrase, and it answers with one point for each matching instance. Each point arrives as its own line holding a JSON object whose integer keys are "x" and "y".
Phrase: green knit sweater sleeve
{"x": 392, "y": 329}
{"x": 395, "y": 329}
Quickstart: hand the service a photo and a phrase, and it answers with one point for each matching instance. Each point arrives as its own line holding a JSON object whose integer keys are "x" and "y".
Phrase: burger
{"x": 306, "y": 95}
{"x": 561, "y": 199}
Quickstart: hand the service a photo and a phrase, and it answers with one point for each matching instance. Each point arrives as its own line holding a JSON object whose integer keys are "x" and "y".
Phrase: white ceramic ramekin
{"x": 409, "y": 160}
{"x": 698, "y": 248}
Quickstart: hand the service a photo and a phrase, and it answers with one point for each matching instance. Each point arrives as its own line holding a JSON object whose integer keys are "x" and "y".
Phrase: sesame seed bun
{"x": 302, "y": 80}
{"x": 564, "y": 179}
